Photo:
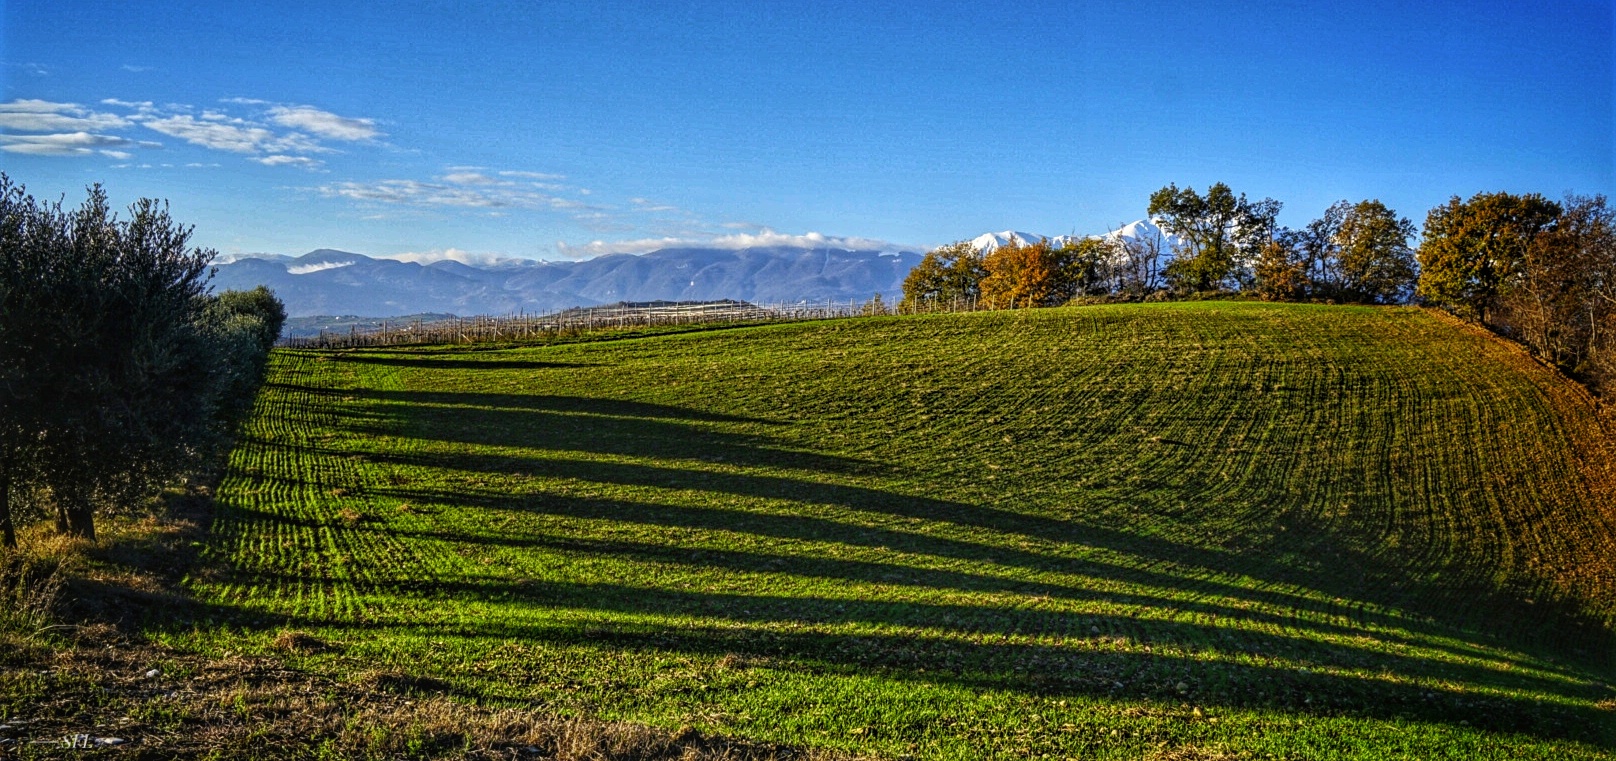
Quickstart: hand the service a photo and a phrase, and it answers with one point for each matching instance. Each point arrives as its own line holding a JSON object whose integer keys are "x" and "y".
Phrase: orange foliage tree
{"x": 1041, "y": 274}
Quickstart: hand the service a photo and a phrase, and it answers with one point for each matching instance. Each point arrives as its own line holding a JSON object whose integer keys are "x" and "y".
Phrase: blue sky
{"x": 557, "y": 130}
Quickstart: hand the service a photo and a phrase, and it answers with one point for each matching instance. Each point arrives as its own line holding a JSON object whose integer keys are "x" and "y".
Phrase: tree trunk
{"x": 81, "y": 521}
{"x": 75, "y": 516}
{"x": 8, "y": 532}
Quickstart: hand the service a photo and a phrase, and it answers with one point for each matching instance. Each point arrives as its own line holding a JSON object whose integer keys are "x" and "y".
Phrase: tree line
{"x": 1540, "y": 272}
{"x": 119, "y": 372}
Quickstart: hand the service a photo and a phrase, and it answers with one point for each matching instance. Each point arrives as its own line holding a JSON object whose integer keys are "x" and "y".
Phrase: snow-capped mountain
{"x": 1143, "y": 231}
{"x": 987, "y": 242}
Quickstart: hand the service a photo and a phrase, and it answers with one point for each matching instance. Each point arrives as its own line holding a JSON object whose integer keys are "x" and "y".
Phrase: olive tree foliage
{"x": 258, "y": 304}
{"x": 1224, "y": 233}
{"x": 244, "y": 325}
{"x": 115, "y": 362}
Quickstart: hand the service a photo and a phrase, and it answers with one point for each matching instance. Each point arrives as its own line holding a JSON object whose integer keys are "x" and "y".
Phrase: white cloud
{"x": 142, "y": 108}
{"x": 280, "y": 159}
{"x": 462, "y": 189}
{"x": 304, "y": 269}
{"x": 411, "y": 192}
{"x": 643, "y": 204}
{"x": 46, "y": 116}
{"x": 453, "y": 255}
{"x": 728, "y": 242}
{"x": 533, "y": 175}
{"x": 66, "y": 144}
{"x": 232, "y": 137}
{"x": 465, "y": 176}
{"x": 324, "y": 123}
{"x": 36, "y": 106}
{"x": 137, "y": 69}
{"x": 119, "y": 155}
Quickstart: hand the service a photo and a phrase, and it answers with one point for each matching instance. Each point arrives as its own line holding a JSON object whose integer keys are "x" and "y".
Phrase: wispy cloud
{"x": 533, "y": 175}
{"x": 643, "y": 204}
{"x": 280, "y": 159}
{"x": 468, "y": 187}
{"x": 137, "y": 69}
{"x": 735, "y": 242}
{"x": 69, "y": 144}
{"x": 47, "y": 116}
{"x": 234, "y": 138}
{"x": 324, "y": 123}
{"x": 469, "y": 177}
{"x": 141, "y": 108}
{"x": 412, "y": 192}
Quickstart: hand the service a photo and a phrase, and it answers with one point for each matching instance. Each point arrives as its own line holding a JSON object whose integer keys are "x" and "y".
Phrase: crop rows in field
{"x": 1102, "y": 531}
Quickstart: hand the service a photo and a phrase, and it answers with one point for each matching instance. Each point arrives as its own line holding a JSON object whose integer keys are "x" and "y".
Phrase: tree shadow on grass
{"x": 1477, "y": 612}
{"x": 598, "y": 426}
{"x": 437, "y": 361}
{"x": 945, "y": 644}
{"x": 1306, "y": 555}
{"x": 1333, "y": 566}
{"x": 584, "y": 405}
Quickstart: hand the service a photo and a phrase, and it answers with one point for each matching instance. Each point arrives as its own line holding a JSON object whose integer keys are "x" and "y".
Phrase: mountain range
{"x": 330, "y": 282}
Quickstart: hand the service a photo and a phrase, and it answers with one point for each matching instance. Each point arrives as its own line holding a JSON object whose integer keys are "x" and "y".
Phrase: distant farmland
{"x": 1178, "y": 531}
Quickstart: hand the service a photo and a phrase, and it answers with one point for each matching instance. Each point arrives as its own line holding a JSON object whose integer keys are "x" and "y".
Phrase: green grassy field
{"x": 1147, "y": 531}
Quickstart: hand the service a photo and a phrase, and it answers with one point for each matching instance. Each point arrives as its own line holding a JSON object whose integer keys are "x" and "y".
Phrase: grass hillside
{"x": 1211, "y": 530}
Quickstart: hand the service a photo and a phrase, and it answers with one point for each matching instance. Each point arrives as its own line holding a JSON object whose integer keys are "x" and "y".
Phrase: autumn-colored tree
{"x": 1473, "y": 249}
{"x": 1373, "y": 262}
{"x": 949, "y": 276}
{"x": 1562, "y": 301}
{"x": 1042, "y": 274}
{"x": 1020, "y": 276}
{"x": 1281, "y": 270}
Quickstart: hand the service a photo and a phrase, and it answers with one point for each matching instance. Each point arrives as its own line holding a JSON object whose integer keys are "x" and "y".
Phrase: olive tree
{"x": 115, "y": 362}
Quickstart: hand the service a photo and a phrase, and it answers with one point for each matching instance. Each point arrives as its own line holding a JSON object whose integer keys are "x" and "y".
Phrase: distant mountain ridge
{"x": 331, "y": 282}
